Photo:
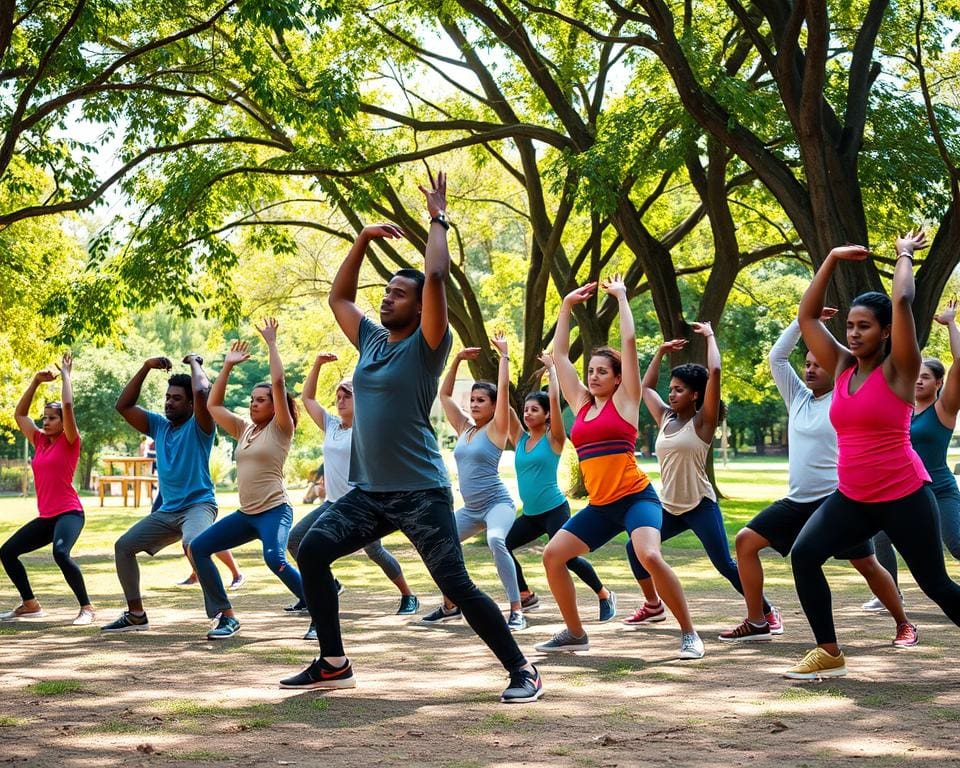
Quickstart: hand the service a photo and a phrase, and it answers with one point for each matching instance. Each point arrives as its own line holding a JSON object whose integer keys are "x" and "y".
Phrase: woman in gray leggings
{"x": 487, "y": 504}
{"x": 337, "y": 431}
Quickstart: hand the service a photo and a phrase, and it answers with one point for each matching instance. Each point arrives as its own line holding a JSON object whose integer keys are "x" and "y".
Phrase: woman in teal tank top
{"x": 934, "y": 419}
{"x": 545, "y": 507}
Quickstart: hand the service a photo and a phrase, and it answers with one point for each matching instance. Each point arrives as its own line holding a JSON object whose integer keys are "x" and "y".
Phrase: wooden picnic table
{"x": 134, "y": 473}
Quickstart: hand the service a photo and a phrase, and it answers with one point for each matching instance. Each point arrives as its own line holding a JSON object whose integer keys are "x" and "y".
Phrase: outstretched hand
{"x": 500, "y": 342}
{"x": 704, "y": 328}
{"x": 66, "y": 363}
{"x": 437, "y": 193}
{"x": 827, "y": 313}
{"x": 385, "y": 231}
{"x": 468, "y": 353}
{"x": 581, "y": 294}
{"x": 325, "y": 357}
{"x": 614, "y": 286}
{"x": 914, "y": 240}
{"x": 547, "y": 360}
{"x": 239, "y": 353}
{"x": 673, "y": 345}
{"x": 44, "y": 376}
{"x": 269, "y": 330}
{"x": 949, "y": 314}
{"x": 850, "y": 252}
{"x": 159, "y": 363}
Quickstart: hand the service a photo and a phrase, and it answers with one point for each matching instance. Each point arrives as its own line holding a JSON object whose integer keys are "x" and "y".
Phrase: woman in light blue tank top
{"x": 482, "y": 435}
{"x": 931, "y": 429}
{"x": 545, "y": 507}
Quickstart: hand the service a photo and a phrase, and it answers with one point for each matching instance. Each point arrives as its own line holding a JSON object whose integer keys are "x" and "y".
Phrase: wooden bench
{"x": 128, "y": 483}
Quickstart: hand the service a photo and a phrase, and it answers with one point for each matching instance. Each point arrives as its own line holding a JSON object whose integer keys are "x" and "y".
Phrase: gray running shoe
{"x": 311, "y": 633}
{"x": 564, "y": 640}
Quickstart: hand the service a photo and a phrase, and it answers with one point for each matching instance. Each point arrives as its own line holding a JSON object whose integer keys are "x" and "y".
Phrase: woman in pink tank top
{"x": 883, "y": 485}
{"x": 621, "y": 497}
{"x": 56, "y": 453}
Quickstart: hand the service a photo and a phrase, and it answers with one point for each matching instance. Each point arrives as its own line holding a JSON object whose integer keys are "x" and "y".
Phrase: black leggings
{"x": 913, "y": 525}
{"x": 63, "y": 531}
{"x": 426, "y": 519}
{"x": 527, "y": 528}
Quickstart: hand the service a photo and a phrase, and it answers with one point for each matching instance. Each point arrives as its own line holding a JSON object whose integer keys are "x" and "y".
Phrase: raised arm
{"x": 70, "y": 430}
{"x": 436, "y": 264}
{"x": 278, "y": 387}
{"x": 629, "y": 392}
{"x": 457, "y": 417}
{"x": 343, "y": 293}
{"x": 127, "y": 406}
{"x": 830, "y": 353}
{"x": 651, "y": 397}
{"x": 309, "y": 397}
{"x": 570, "y": 382}
{"x": 905, "y": 357}
{"x": 709, "y": 414}
{"x": 22, "y": 411}
{"x": 200, "y": 385}
{"x": 229, "y": 422}
{"x": 501, "y": 414}
{"x": 949, "y": 401}
{"x": 557, "y": 434}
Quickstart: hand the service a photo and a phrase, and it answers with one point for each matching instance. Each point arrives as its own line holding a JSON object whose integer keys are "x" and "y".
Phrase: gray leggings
{"x": 497, "y": 520}
{"x": 375, "y": 551}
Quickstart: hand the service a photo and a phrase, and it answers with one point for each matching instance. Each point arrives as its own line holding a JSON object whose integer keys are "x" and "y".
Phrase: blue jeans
{"x": 271, "y": 527}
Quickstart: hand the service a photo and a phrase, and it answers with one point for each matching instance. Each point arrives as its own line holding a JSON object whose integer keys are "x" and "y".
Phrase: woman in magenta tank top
{"x": 621, "y": 497}
{"x": 883, "y": 485}
{"x": 56, "y": 453}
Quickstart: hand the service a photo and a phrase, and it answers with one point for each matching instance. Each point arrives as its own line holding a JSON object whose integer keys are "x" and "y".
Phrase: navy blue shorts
{"x": 596, "y": 524}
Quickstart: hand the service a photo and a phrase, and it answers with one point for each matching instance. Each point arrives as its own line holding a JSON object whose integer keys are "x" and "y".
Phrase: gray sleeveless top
{"x": 477, "y": 462}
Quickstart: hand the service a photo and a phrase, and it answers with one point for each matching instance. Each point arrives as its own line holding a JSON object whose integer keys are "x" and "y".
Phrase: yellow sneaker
{"x": 818, "y": 664}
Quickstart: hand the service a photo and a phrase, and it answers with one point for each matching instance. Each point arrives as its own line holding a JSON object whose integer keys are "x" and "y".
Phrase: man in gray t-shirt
{"x": 398, "y": 475}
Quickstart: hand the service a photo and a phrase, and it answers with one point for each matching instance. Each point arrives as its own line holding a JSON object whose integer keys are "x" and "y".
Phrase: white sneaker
{"x": 84, "y": 617}
{"x": 875, "y": 606}
{"x": 691, "y": 646}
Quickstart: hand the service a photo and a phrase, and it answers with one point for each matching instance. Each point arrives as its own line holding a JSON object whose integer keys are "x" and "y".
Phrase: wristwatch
{"x": 441, "y": 219}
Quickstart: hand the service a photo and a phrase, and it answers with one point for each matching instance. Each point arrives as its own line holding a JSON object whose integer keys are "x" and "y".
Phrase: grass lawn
{"x": 429, "y": 697}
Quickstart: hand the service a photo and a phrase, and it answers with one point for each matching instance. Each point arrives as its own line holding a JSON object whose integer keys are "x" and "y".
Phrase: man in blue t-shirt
{"x": 396, "y": 470}
{"x": 183, "y": 436}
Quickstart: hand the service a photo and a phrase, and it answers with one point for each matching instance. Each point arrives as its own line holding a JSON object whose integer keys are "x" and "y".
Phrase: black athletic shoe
{"x": 524, "y": 687}
{"x": 439, "y": 616}
{"x": 299, "y": 608}
{"x": 321, "y": 675}
{"x": 127, "y": 623}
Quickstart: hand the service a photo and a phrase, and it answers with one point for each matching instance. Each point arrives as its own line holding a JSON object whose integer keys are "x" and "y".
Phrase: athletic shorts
{"x": 596, "y": 524}
{"x": 782, "y": 521}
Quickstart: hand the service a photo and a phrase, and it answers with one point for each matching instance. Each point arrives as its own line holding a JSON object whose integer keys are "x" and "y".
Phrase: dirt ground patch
{"x": 429, "y": 697}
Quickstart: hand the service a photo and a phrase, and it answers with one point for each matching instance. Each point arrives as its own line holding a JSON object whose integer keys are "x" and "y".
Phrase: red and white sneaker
{"x": 907, "y": 635}
{"x": 775, "y": 620}
{"x": 646, "y": 614}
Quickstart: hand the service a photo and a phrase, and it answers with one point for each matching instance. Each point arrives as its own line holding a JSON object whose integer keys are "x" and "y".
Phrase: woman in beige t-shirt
{"x": 263, "y": 442}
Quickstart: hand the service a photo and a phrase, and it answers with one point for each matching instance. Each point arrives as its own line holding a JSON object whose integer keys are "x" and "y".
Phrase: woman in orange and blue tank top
{"x": 883, "y": 485}
{"x": 621, "y": 497}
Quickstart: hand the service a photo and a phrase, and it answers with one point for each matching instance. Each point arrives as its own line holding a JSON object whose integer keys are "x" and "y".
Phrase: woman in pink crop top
{"x": 56, "y": 453}
{"x": 621, "y": 497}
{"x": 883, "y": 485}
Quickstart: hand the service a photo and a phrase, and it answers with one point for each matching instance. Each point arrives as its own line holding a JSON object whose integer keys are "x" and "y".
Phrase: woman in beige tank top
{"x": 687, "y": 423}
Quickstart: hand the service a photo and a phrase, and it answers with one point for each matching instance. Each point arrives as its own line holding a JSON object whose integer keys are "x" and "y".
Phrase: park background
{"x": 172, "y": 172}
